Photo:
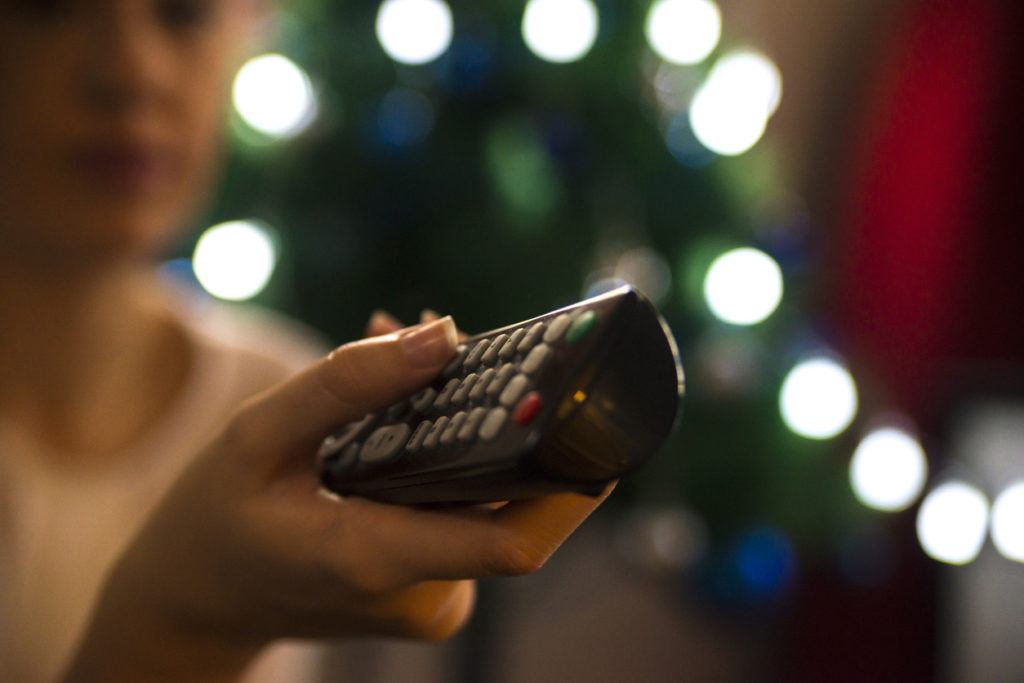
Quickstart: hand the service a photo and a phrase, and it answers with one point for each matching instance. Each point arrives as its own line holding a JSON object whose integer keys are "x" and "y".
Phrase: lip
{"x": 123, "y": 166}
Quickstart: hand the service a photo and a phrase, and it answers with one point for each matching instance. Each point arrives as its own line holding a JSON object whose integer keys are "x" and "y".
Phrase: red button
{"x": 527, "y": 408}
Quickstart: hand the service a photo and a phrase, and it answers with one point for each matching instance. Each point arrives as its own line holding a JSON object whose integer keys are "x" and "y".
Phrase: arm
{"x": 245, "y": 548}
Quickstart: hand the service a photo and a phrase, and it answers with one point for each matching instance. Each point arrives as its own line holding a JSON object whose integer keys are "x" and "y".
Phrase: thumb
{"x": 354, "y": 379}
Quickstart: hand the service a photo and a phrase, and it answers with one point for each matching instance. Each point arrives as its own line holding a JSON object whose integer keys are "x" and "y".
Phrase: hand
{"x": 246, "y": 548}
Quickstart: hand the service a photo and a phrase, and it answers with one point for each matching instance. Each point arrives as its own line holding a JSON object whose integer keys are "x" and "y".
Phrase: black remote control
{"x": 567, "y": 401}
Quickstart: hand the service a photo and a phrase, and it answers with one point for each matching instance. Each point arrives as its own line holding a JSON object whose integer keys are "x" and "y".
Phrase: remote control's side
{"x": 567, "y": 401}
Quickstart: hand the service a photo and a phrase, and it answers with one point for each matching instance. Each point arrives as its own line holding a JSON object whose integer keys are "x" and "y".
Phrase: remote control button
{"x": 514, "y": 390}
{"x": 508, "y": 351}
{"x": 473, "y": 359}
{"x": 469, "y": 427}
{"x": 385, "y": 443}
{"x": 492, "y": 423}
{"x": 491, "y": 357}
{"x": 462, "y": 393}
{"x": 346, "y": 435}
{"x": 422, "y": 401}
{"x": 344, "y": 462}
{"x": 452, "y": 430}
{"x": 418, "y": 435}
{"x": 455, "y": 364}
{"x": 445, "y": 397}
{"x": 532, "y": 337}
{"x": 558, "y": 327}
{"x": 581, "y": 327}
{"x": 527, "y": 408}
{"x": 477, "y": 393}
{"x": 434, "y": 435}
{"x": 537, "y": 359}
{"x": 500, "y": 380}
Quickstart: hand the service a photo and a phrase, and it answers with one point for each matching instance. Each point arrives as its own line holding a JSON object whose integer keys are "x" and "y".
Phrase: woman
{"x": 160, "y": 518}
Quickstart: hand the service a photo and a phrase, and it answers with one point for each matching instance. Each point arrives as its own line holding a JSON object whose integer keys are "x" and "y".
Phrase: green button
{"x": 581, "y": 327}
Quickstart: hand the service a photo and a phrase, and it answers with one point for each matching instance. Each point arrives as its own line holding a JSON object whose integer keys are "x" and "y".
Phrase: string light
{"x": 414, "y": 31}
{"x": 273, "y": 95}
{"x": 1008, "y": 522}
{"x": 743, "y": 286}
{"x": 683, "y": 31}
{"x": 818, "y": 399}
{"x": 560, "y": 30}
{"x": 235, "y": 260}
{"x": 730, "y": 110}
{"x": 952, "y": 521}
{"x": 888, "y": 469}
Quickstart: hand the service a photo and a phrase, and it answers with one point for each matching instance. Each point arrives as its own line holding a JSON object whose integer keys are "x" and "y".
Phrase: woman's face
{"x": 110, "y": 119}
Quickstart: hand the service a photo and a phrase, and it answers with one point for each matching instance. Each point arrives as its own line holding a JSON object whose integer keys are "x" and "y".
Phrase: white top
{"x": 62, "y": 528}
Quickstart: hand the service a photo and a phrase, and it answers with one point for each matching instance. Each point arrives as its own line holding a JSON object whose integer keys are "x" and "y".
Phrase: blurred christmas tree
{"x": 510, "y": 166}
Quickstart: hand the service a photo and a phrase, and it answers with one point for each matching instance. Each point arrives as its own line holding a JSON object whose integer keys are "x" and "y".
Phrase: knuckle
{"x": 344, "y": 379}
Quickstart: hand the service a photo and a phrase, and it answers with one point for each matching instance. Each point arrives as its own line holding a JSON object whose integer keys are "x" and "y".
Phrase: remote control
{"x": 567, "y": 401}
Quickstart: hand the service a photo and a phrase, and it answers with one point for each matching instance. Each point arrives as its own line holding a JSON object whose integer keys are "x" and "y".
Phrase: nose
{"x": 124, "y": 60}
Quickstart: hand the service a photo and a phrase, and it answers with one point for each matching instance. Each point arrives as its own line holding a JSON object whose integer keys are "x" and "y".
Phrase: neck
{"x": 90, "y": 355}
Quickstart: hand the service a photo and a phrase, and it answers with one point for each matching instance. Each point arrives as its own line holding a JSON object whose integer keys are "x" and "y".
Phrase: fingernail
{"x": 430, "y": 344}
{"x": 382, "y": 317}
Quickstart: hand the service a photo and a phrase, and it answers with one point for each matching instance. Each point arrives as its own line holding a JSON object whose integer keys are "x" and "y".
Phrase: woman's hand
{"x": 246, "y": 547}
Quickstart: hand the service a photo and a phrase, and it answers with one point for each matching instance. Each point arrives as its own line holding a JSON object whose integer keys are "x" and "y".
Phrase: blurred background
{"x": 822, "y": 197}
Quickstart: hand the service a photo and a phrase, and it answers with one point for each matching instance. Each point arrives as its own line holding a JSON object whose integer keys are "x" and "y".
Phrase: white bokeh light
{"x": 952, "y": 521}
{"x": 560, "y": 30}
{"x": 683, "y": 31}
{"x": 743, "y": 286}
{"x": 234, "y": 260}
{"x": 1008, "y": 522}
{"x": 414, "y": 31}
{"x": 888, "y": 469}
{"x": 274, "y": 96}
{"x": 818, "y": 398}
{"x": 730, "y": 110}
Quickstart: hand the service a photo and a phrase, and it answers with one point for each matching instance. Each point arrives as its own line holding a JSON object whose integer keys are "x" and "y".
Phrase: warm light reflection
{"x": 683, "y": 31}
{"x": 1008, "y": 522}
{"x": 414, "y": 31}
{"x": 888, "y": 469}
{"x": 743, "y": 286}
{"x": 730, "y": 110}
{"x": 952, "y": 521}
{"x": 818, "y": 398}
{"x": 235, "y": 260}
{"x": 560, "y": 30}
{"x": 273, "y": 95}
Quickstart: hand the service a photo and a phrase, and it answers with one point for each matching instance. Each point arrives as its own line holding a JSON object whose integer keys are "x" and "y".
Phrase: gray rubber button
{"x": 469, "y": 427}
{"x": 500, "y": 380}
{"x": 492, "y": 423}
{"x": 477, "y": 393}
{"x": 491, "y": 357}
{"x": 445, "y": 397}
{"x": 536, "y": 359}
{"x": 461, "y": 394}
{"x": 435, "y": 432}
{"x": 385, "y": 443}
{"x": 473, "y": 359}
{"x": 452, "y": 430}
{"x": 418, "y": 435}
{"x": 514, "y": 390}
{"x": 557, "y": 328}
{"x": 532, "y": 337}
{"x": 508, "y": 351}
{"x": 422, "y": 401}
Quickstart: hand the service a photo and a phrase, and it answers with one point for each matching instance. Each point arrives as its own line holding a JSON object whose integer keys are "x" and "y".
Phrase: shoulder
{"x": 263, "y": 346}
